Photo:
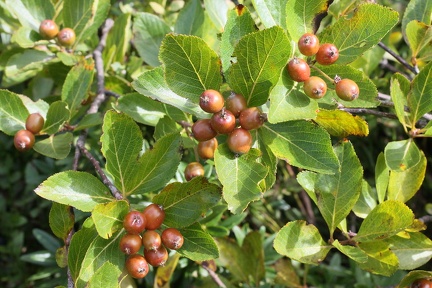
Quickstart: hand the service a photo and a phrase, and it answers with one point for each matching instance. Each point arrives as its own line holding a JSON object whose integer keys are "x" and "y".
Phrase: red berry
{"x": 172, "y": 238}
{"x": 211, "y": 101}
{"x": 24, "y": 140}
{"x": 48, "y": 29}
{"x": 34, "y": 123}
{"x": 137, "y": 266}
{"x": 298, "y": 69}
{"x": 66, "y": 37}
{"x": 308, "y": 44}
{"x": 239, "y": 141}
{"x": 134, "y": 222}
{"x": 251, "y": 118}
{"x": 315, "y": 87}
{"x": 154, "y": 215}
{"x": 130, "y": 243}
{"x": 223, "y": 122}
{"x": 192, "y": 170}
{"x": 206, "y": 149}
{"x": 236, "y": 103}
{"x": 202, "y": 130}
{"x": 422, "y": 283}
{"x": 327, "y": 54}
{"x": 151, "y": 240}
{"x": 156, "y": 257}
{"x": 347, "y": 89}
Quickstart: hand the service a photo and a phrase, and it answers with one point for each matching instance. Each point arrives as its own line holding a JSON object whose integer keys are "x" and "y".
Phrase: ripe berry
{"x": 34, "y": 123}
{"x": 315, "y": 87}
{"x": 202, "y": 130}
{"x": 251, "y": 118}
{"x": 223, "y": 122}
{"x": 206, "y": 149}
{"x": 156, "y": 257}
{"x": 192, "y": 170}
{"x": 422, "y": 283}
{"x": 236, "y": 103}
{"x": 134, "y": 222}
{"x": 298, "y": 69}
{"x": 130, "y": 243}
{"x": 24, "y": 140}
{"x": 211, "y": 101}
{"x": 239, "y": 141}
{"x": 137, "y": 266}
{"x": 327, "y": 54}
{"x": 347, "y": 89}
{"x": 48, "y": 29}
{"x": 151, "y": 240}
{"x": 66, "y": 37}
{"x": 154, "y": 215}
{"x": 172, "y": 238}
{"x": 308, "y": 44}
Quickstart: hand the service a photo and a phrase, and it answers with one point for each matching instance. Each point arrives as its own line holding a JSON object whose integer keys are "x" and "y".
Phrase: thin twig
{"x": 386, "y": 101}
{"x": 112, "y": 93}
{"x": 398, "y": 58}
{"x": 213, "y": 274}
{"x": 368, "y": 112}
{"x": 67, "y": 244}
{"x": 426, "y": 218}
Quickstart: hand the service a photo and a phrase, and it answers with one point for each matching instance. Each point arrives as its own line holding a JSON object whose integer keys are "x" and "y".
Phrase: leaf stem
{"x": 213, "y": 274}
{"x": 322, "y": 73}
{"x": 399, "y": 58}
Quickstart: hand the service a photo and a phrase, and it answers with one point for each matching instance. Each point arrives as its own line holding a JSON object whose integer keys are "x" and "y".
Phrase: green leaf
{"x": 166, "y": 126}
{"x": 416, "y": 10}
{"x": 78, "y": 189}
{"x": 57, "y": 115}
{"x": 353, "y": 252}
{"x": 245, "y": 262}
{"x": 152, "y": 84}
{"x": 198, "y": 245}
{"x": 240, "y": 177}
{"x": 77, "y": 84}
{"x": 269, "y": 160}
{"x": 300, "y": 16}
{"x": 190, "y": 66}
{"x": 119, "y": 37}
{"x": 342, "y": 124}
{"x": 271, "y": 12}
{"x": 260, "y": 58}
{"x": 301, "y": 242}
{"x": 217, "y": 11}
{"x": 366, "y": 202}
{"x": 185, "y": 203}
{"x": 419, "y": 35}
{"x": 121, "y": 145}
{"x": 41, "y": 258}
{"x": 31, "y": 12}
{"x": 399, "y": 98}
{"x": 380, "y": 259}
{"x": 108, "y": 217}
{"x": 414, "y": 275}
{"x": 106, "y": 276}
{"x": 402, "y": 155}
{"x": 56, "y": 146}
{"x": 382, "y": 176}
{"x": 89, "y": 120}
{"x": 385, "y": 220}
{"x": 149, "y": 30}
{"x": 61, "y": 220}
{"x": 61, "y": 257}
{"x": 419, "y": 100}
{"x": 302, "y": 144}
{"x": 25, "y": 37}
{"x": 355, "y": 35}
{"x": 13, "y": 112}
{"x": 47, "y": 241}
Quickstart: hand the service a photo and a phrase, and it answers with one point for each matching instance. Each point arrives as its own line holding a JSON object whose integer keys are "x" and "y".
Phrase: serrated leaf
{"x": 380, "y": 259}
{"x": 57, "y": 115}
{"x": 240, "y": 177}
{"x": 419, "y": 36}
{"x": 61, "y": 220}
{"x": 198, "y": 244}
{"x": 121, "y": 145}
{"x": 119, "y": 36}
{"x": 302, "y": 144}
{"x": 106, "y": 276}
{"x": 108, "y": 217}
{"x": 301, "y": 242}
{"x": 402, "y": 155}
{"x": 342, "y": 124}
{"x": 271, "y": 12}
{"x": 353, "y": 252}
{"x": 420, "y": 10}
{"x": 366, "y": 202}
{"x": 56, "y": 146}
{"x": 385, "y": 220}
{"x": 382, "y": 176}
{"x": 419, "y": 100}
{"x": 13, "y": 112}
{"x": 353, "y": 36}
{"x": 149, "y": 30}
{"x": 31, "y": 12}
{"x": 185, "y": 203}
{"x": 78, "y": 189}
{"x": 260, "y": 58}
{"x": 269, "y": 160}
{"x": 217, "y": 11}
{"x": 399, "y": 98}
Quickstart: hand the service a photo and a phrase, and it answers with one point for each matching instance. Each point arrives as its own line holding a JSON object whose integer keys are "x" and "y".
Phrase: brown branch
{"x": 399, "y": 58}
{"x": 366, "y": 111}
{"x": 212, "y": 274}
{"x": 67, "y": 244}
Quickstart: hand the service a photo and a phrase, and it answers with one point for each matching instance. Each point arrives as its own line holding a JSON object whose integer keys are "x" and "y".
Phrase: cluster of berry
{"x": 325, "y": 54}
{"x": 24, "y": 139}
{"x": 48, "y": 29}
{"x": 141, "y": 228}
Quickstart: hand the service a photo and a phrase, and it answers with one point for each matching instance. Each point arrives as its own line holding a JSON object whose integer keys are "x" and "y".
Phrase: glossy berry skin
{"x": 66, "y": 37}
{"x": 193, "y": 169}
{"x": 130, "y": 244}
{"x": 421, "y": 283}
{"x": 236, "y": 103}
{"x": 34, "y": 123}
{"x": 308, "y": 44}
{"x": 327, "y": 54}
{"x": 251, "y": 118}
{"x": 172, "y": 238}
{"x": 134, "y": 222}
{"x": 206, "y": 149}
{"x": 202, "y": 130}
{"x": 223, "y": 122}
{"x": 315, "y": 87}
{"x": 298, "y": 69}
{"x": 154, "y": 215}
{"x": 137, "y": 266}
{"x": 151, "y": 240}
{"x": 347, "y": 89}
{"x": 211, "y": 101}
{"x": 48, "y": 29}
{"x": 24, "y": 140}
{"x": 156, "y": 257}
{"x": 239, "y": 141}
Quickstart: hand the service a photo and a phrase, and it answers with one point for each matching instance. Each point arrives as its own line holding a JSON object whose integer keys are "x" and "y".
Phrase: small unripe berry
{"x": 211, "y": 101}
{"x": 66, "y": 37}
{"x": 134, "y": 222}
{"x": 206, "y": 149}
{"x": 34, "y": 123}
{"x": 239, "y": 141}
{"x": 202, "y": 130}
{"x": 137, "y": 266}
{"x": 130, "y": 243}
{"x": 298, "y": 69}
{"x": 154, "y": 215}
{"x": 172, "y": 238}
{"x": 251, "y": 118}
{"x": 236, "y": 103}
{"x": 308, "y": 44}
{"x": 193, "y": 169}
{"x": 327, "y": 54}
{"x": 48, "y": 29}
{"x": 156, "y": 257}
{"x": 315, "y": 87}
{"x": 223, "y": 121}
{"x": 24, "y": 140}
{"x": 346, "y": 89}
{"x": 151, "y": 240}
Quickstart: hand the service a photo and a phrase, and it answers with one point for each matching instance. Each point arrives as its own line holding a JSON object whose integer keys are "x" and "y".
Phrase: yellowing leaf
{"x": 342, "y": 124}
